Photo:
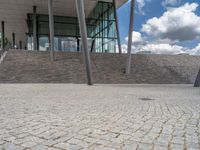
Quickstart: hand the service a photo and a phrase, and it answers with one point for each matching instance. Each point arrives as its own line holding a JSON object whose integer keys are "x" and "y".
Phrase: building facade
{"x": 28, "y": 21}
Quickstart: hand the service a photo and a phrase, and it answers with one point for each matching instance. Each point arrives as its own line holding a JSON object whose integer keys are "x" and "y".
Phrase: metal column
{"x": 2, "y": 35}
{"x": 78, "y": 44}
{"x": 20, "y": 45}
{"x": 13, "y": 40}
{"x": 35, "y": 44}
{"x": 197, "y": 82}
{"x": 51, "y": 29}
{"x": 83, "y": 33}
{"x": 128, "y": 65}
{"x": 117, "y": 27}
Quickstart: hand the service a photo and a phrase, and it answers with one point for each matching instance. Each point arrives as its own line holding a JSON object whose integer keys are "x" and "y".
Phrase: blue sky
{"x": 147, "y": 9}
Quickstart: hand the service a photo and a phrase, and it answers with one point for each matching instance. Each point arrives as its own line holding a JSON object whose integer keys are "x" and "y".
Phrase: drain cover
{"x": 146, "y": 99}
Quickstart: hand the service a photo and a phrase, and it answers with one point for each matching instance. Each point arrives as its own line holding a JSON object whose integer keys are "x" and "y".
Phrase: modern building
{"x": 26, "y": 24}
{"x": 64, "y": 25}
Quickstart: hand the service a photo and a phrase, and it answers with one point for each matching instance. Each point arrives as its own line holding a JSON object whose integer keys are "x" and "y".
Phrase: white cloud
{"x": 195, "y": 51}
{"x": 179, "y": 24}
{"x": 162, "y": 49}
{"x": 174, "y": 26}
{"x": 136, "y": 38}
{"x": 141, "y": 4}
{"x": 124, "y": 48}
{"x": 166, "y": 3}
{"x": 157, "y": 46}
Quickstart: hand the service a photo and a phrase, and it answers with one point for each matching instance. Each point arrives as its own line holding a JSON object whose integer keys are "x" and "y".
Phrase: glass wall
{"x": 100, "y": 27}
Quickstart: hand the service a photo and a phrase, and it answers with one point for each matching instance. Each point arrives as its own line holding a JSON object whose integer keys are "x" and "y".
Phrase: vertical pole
{"x": 83, "y": 32}
{"x": 20, "y": 45}
{"x": 35, "y": 46}
{"x": 78, "y": 44}
{"x": 197, "y": 82}
{"x": 128, "y": 65}
{"x": 2, "y": 35}
{"x": 51, "y": 29}
{"x": 13, "y": 40}
{"x": 117, "y": 26}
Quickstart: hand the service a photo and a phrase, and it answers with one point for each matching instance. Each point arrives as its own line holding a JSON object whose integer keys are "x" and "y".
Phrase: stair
{"x": 197, "y": 82}
{"x": 34, "y": 67}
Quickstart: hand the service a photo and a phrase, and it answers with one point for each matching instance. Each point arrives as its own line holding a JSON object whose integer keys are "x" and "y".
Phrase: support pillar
{"x": 2, "y": 35}
{"x": 78, "y": 44}
{"x": 117, "y": 27}
{"x": 51, "y": 29}
{"x": 20, "y": 45}
{"x": 128, "y": 65}
{"x": 35, "y": 43}
{"x": 197, "y": 82}
{"x": 83, "y": 33}
{"x": 13, "y": 40}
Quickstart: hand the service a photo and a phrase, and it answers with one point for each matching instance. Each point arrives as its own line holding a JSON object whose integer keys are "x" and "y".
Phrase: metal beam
{"x": 51, "y": 29}
{"x": 83, "y": 33}
{"x": 117, "y": 27}
{"x": 128, "y": 65}
{"x": 2, "y": 35}
{"x": 35, "y": 44}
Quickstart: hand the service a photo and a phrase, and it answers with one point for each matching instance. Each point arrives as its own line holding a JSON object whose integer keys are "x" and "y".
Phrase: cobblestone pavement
{"x": 101, "y": 117}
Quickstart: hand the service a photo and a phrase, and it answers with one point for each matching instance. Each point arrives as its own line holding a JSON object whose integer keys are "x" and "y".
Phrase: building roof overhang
{"x": 14, "y": 12}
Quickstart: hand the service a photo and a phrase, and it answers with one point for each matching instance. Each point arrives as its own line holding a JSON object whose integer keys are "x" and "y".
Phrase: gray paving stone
{"x": 76, "y": 117}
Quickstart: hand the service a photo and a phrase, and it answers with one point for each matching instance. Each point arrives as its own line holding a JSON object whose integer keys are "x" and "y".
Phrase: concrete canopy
{"x": 14, "y": 13}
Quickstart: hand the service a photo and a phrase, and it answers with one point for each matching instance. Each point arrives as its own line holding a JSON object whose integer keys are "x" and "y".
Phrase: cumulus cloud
{"x": 162, "y": 49}
{"x": 195, "y": 51}
{"x": 124, "y": 48}
{"x": 176, "y": 24}
{"x": 141, "y": 4}
{"x": 137, "y": 38}
{"x": 166, "y": 3}
{"x": 157, "y": 46}
{"x": 164, "y": 33}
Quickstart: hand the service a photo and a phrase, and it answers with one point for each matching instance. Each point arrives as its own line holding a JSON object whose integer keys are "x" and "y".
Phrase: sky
{"x": 162, "y": 26}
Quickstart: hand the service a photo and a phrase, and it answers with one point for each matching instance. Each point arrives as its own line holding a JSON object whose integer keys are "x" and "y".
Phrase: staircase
{"x": 197, "y": 82}
{"x": 34, "y": 67}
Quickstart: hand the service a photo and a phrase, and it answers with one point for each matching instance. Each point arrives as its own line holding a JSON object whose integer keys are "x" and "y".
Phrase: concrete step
{"x": 35, "y": 67}
{"x": 197, "y": 82}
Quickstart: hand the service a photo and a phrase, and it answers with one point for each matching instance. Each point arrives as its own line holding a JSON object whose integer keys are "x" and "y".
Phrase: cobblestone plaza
{"x": 101, "y": 117}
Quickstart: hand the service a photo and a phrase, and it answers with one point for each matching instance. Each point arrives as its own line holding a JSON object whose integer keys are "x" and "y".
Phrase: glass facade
{"x": 100, "y": 27}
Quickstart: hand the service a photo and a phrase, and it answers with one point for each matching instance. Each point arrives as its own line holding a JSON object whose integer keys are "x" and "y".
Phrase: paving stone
{"x": 57, "y": 117}
{"x": 28, "y": 144}
{"x": 62, "y": 145}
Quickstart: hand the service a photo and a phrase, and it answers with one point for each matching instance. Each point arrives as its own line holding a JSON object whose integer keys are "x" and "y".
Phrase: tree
{"x": 7, "y": 43}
